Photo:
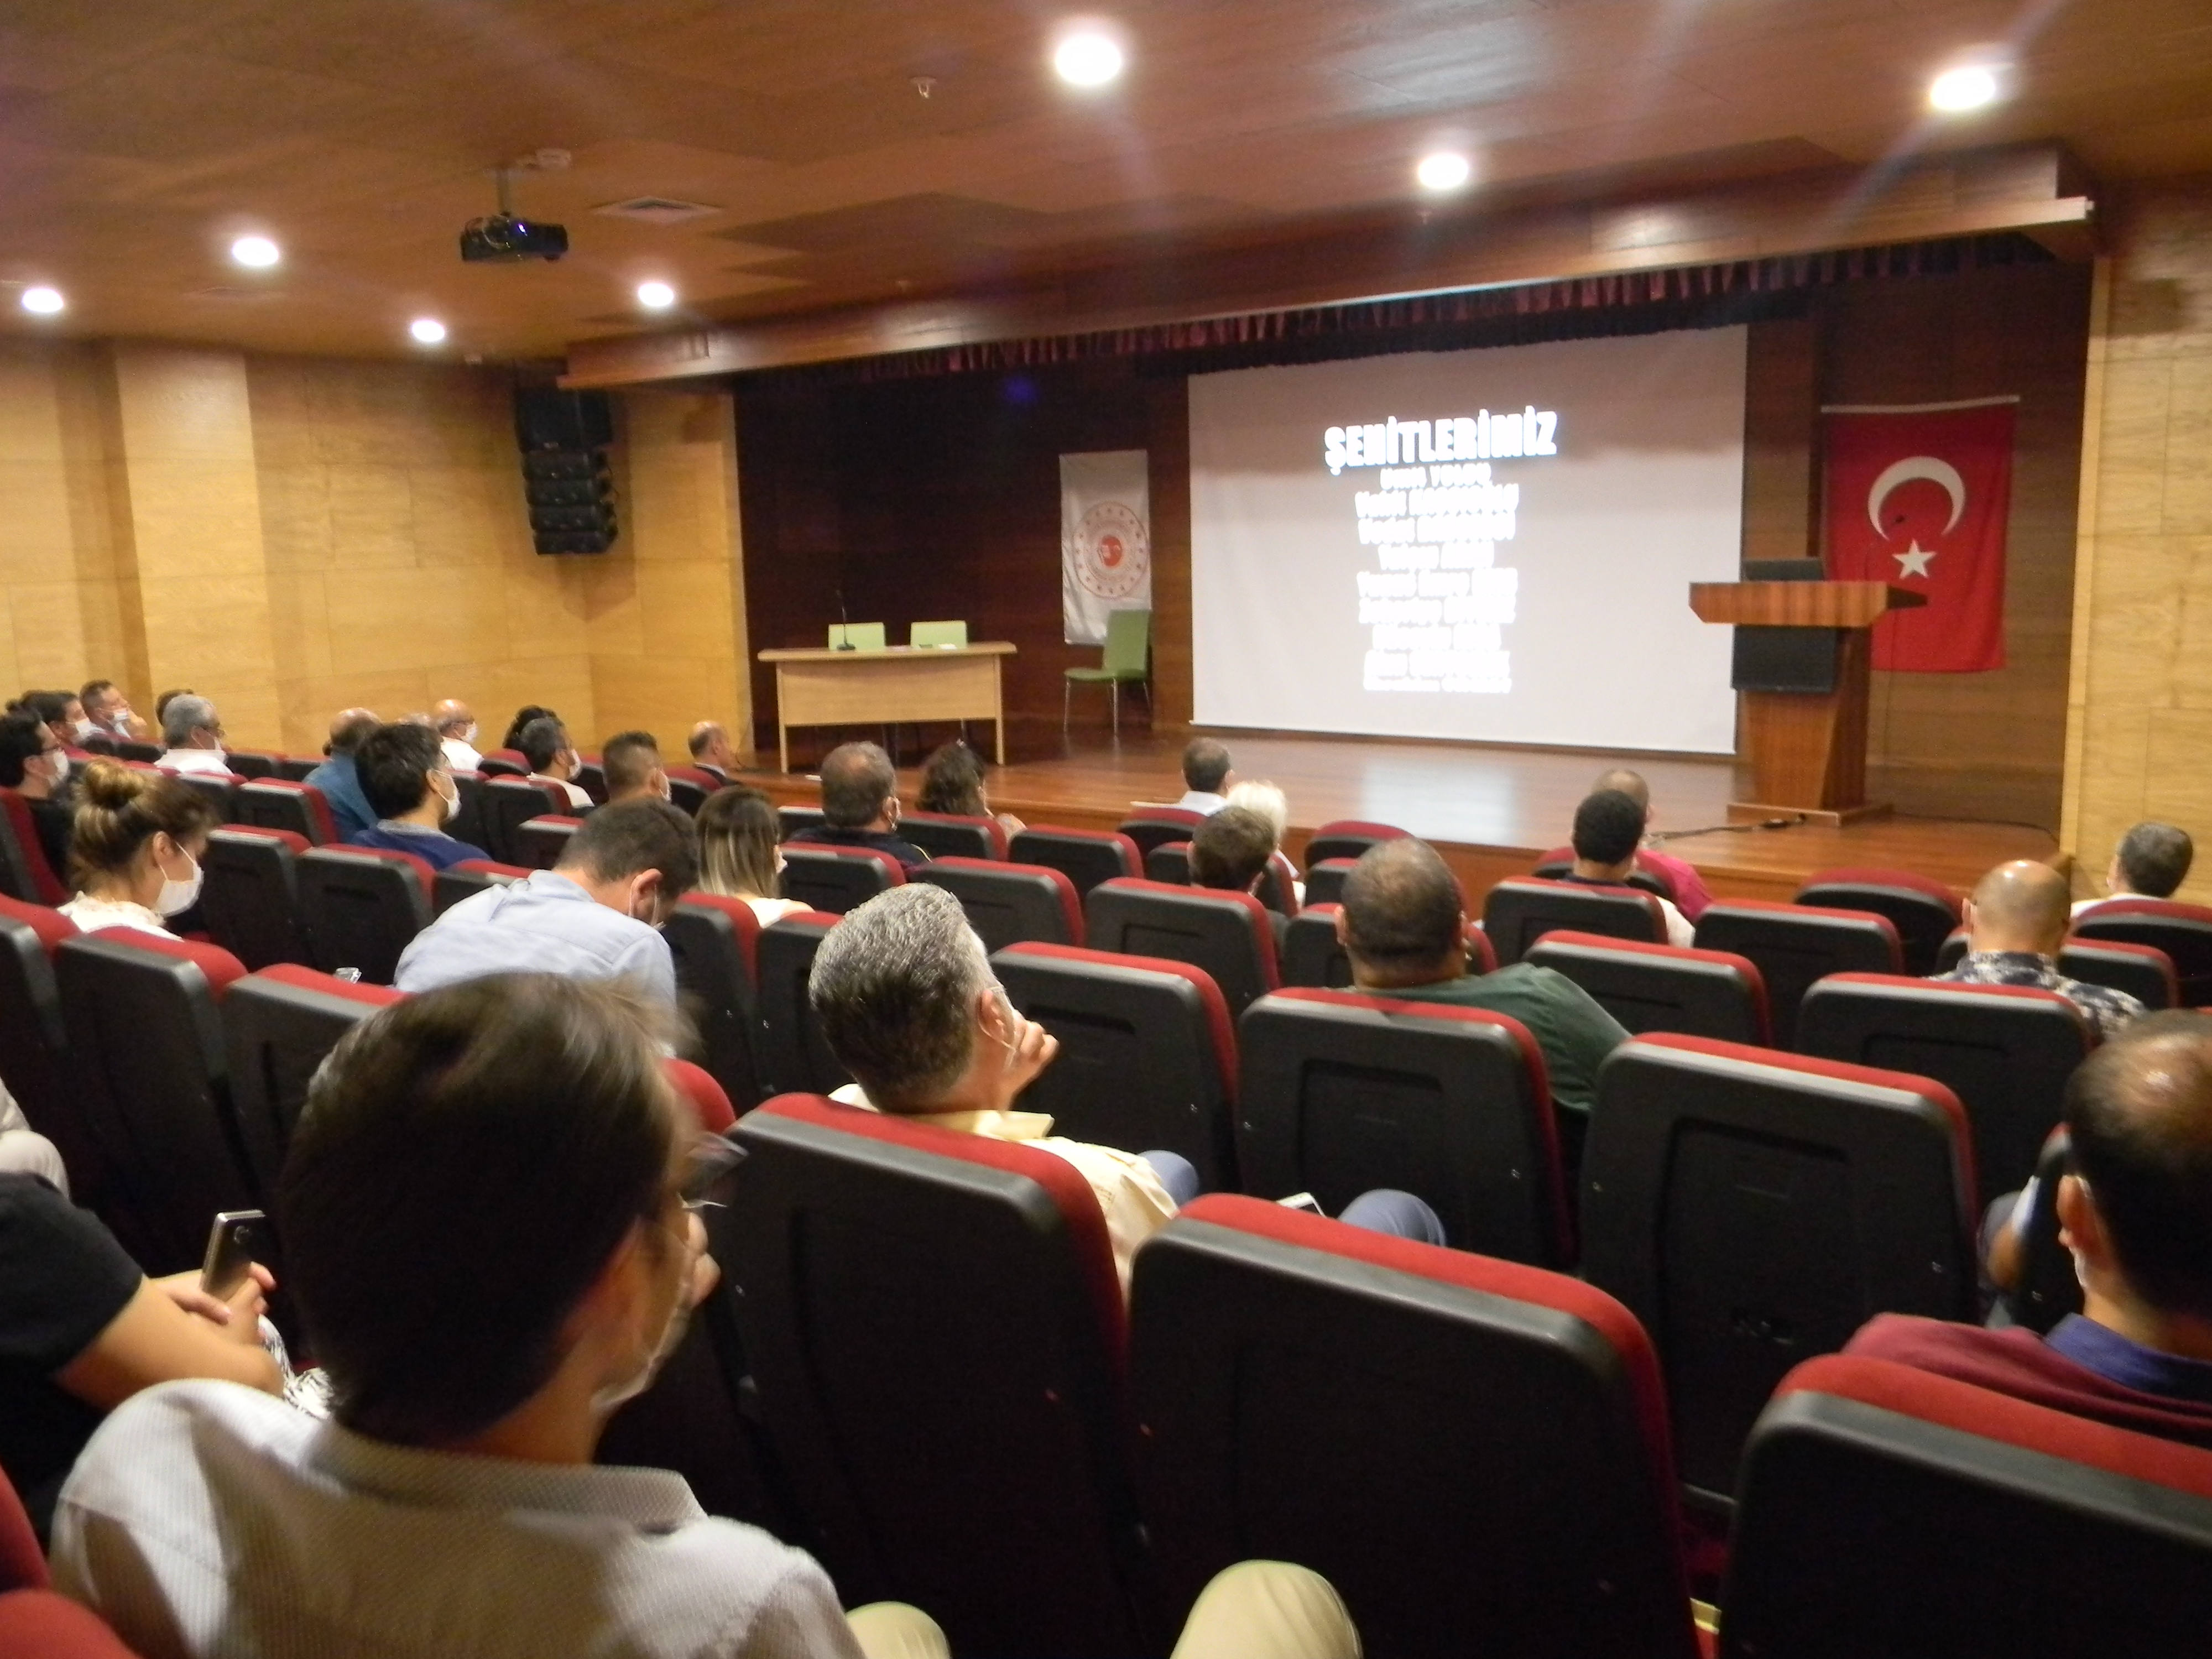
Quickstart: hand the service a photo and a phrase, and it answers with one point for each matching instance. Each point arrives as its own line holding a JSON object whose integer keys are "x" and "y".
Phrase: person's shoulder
{"x": 182, "y": 1425}
{"x": 1943, "y": 1346}
{"x": 731, "y": 1577}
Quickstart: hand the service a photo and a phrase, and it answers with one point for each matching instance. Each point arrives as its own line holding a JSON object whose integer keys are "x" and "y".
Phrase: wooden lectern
{"x": 1801, "y": 663}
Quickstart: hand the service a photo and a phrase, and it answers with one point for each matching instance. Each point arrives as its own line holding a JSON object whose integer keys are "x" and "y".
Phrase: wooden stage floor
{"x": 1491, "y": 810}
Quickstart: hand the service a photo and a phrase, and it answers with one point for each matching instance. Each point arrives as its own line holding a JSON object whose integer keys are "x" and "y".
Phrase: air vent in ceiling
{"x": 657, "y": 210}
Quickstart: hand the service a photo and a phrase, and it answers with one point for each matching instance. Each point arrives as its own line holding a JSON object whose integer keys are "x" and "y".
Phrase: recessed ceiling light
{"x": 1444, "y": 170}
{"x": 43, "y": 301}
{"x": 655, "y": 296}
{"x": 257, "y": 252}
{"x": 426, "y": 330}
{"x": 1087, "y": 58}
{"x": 1971, "y": 86}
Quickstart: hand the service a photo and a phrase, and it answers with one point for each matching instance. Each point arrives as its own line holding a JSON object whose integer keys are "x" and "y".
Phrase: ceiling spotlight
{"x": 1445, "y": 170}
{"x": 655, "y": 296}
{"x": 426, "y": 330}
{"x": 43, "y": 301}
{"x": 1087, "y": 58}
{"x": 256, "y": 251}
{"x": 1968, "y": 87}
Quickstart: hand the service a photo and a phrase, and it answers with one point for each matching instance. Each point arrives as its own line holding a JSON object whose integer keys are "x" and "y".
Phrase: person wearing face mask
{"x": 544, "y": 744}
{"x": 134, "y": 847}
{"x": 596, "y": 914}
{"x": 33, "y": 764}
{"x": 456, "y": 734}
{"x": 860, "y": 804}
{"x": 412, "y": 793}
{"x": 108, "y": 713}
{"x": 630, "y": 762}
{"x": 193, "y": 732}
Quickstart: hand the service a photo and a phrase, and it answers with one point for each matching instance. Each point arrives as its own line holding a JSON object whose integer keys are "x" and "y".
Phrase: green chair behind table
{"x": 1128, "y": 658}
{"x": 858, "y": 636}
{"x": 922, "y": 636}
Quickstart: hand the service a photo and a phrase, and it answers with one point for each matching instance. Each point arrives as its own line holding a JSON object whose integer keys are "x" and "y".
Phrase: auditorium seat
{"x": 2047, "y": 1288}
{"x": 1313, "y": 956}
{"x": 2184, "y": 932}
{"x": 794, "y": 1057}
{"x": 282, "y": 804}
{"x": 2143, "y": 971}
{"x": 217, "y": 789}
{"x": 512, "y": 802}
{"x": 99, "y": 743}
{"x": 1793, "y": 945}
{"x": 471, "y": 822}
{"x": 467, "y": 878}
{"x": 360, "y": 906}
{"x": 1147, "y": 1054}
{"x": 1347, "y": 838}
{"x": 837, "y": 878}
{"x": 1087, "y": 857}
{"x": 292, "y": 768}
{"x": 705, "y": 1101}
{"x": 1009, "y": 903}
{"x": 716, "y": 943}
{"x": 540, "y": 842}
{"x": 1472, "y": 1452}
{"x": 132, "y": 749}
{"x": 1156, "y": 826}
{"x": 937, "y": 1335}
{"x": 1170, "y": 862}
{"x": 689, "y": 786}
{"x": 1277, "y": 885}
{"x": 22, "y": 1562}
{"x": 34, "y": 1037}
{"x": 1559, "y": 863}
{"x": 1888, "y": 1510}
{"x": 278, "y": 1024}
{"x": 251, "y": 898}
{"x": 503, "y": 763}
{"x": 1924, "y": 911}
{"x": 145, "y": 1034}
{"x": 946, "y": 834}
{"x": 591, "y": 778}
{"x": 253, "y": 762}
{"x": 39, "y": 1624}
{"x": 1228, "y": 934}
{"x": 1325, "y": 879}
{"x": 1341, "y": 1093}
{"x": 1521, "y": 909}
{"x": 1662, "y": 988}
{"x": 1753, "y": 1208}
{"x": 25, "y": 872}
{"x": 790, "y": 820}
{"x": 2005, "y": 1050}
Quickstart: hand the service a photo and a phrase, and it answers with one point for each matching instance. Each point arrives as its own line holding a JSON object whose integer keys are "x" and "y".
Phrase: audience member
{"x": 711, "y": 751}
{"x": 1608, "y": 827}
{"x": 860, "y": 804}
{"x": 544, "y": 744}
{"x": 411, "y": 795}
{"x": 630, "y": 762}
{"x": 487, "y": 1235}
{"x": 1691, "y": 895}
{"x": 2151, "y": 860}
{"x": 738, "y": 857}
{"x": 107, "y": 711}
{"x": 2137, "y": 1213}
{"x": 1404, "y": 925}
{"x": 1231, "y": 851}
{"x": 1205, "y": 774}
{"x": 1261, "y": 796}
{"x": 339, "y": 778}
{"x": 60, "y": 710}
{"x": 456, "y": 734}
{"x": 134, "y": 847}
{"x": 595, "y": 914}
{"x": 33, "y": 764}
{"x": 2017, "y": 924}
{"x": 952, "y": 784}
{"x": 24, "y": 1150}
{"x": 161, "y": 704}
{"x": 523, "y": 716}
{"x": 193, "y": 733}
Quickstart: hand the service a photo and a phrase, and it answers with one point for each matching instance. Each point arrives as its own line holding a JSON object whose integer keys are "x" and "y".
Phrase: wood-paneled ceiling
{"x": 139, "y": 136}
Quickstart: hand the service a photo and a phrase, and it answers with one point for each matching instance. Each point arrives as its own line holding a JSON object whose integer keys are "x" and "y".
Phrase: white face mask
{"x": 180, "y": 895}
{"x": 87, "y": 728}
{"x": 60, "y": 762}
{"x": 448, "y": 803}
{"x": 469, "y": 736}
{"x": 672, "y": 1336}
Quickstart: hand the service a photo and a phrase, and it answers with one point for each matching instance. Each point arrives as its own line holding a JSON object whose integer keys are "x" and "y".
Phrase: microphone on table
{"x": 844, "y": 625}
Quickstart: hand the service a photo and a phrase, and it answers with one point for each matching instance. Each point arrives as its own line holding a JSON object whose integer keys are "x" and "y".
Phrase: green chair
{"x": 860, "y": 636}
{"x": 924, "y": 634}
{"x": 1128, "y": 657}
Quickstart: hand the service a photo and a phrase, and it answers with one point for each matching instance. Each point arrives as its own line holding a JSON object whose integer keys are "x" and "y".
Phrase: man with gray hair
{"x": 193, "y": 733}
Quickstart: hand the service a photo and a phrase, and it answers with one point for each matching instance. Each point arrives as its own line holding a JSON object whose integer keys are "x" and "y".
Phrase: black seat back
{"x": 1923, "y": 911}
{"x": 1086, "y": 857}
{"x": 1312, "y": 953}
{"x": 467, "y": 878}
{"x": 509, "y": 803}
{"x": 1660, "y": 987}
{"x": 1520, "y": 910}
{"x": 835, "y": 879}
{"x": 2184, "y": 932}
{"x": 278, "y": 1027}
{"x": 942, "y": 835}
{"x": 1794, "y": 945}
{"x": 251, "y": 898}
{"x": 793, "y": 1055}
{"x": 1009, "y": 903}
{"x": 716, "y": 943}
{"x": 1227, "y": 934}
{"x": 361, "y": 909}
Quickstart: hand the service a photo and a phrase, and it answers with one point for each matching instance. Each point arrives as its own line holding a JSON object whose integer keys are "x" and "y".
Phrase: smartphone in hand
{"x": 238, "y": 1239}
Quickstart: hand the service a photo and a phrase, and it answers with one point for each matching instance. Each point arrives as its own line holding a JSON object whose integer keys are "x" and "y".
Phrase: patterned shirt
{"x": 2108, "y": 1011}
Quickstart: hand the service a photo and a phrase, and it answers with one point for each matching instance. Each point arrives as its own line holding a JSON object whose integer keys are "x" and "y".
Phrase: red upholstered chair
{"x": 1087, "y": 857}
{"x": 790, "y": 820}
{"x": 362, "y": 906}
{"x": 1325, "y": 880}
{"x": 147, "y": 1049}
{"x": 1009, "y": 903}
{"x": 1347, "y": 838}
{"x": 472, "y": 823}
{"x": 1278, "y": 886}
{"x": 1888, "y": 1511}
{"x": 689, "y": 786}
{"x": 34, "y": 1038}
{"x": 252, "y": 897}
{"x": 1662, "y": 988}
{"x": 2143, "y": 971}
{"x": 793, "y": 1055}
{"x": 715, "y": 942}
{"x": 2184, "y": 932}
{"x": 38, "y": 1624}
{"x": 1341, "y": 1093}
{"x": 504, "y": 764}
{"x": 1520, "y": 910}
{"x": 591, "y": 777}
{"x": 708, "y": 1103}
{"x": 1473, "y": 1453}
{"x": 835, "y": 879}
{"x": 253, "y": 762}
{"x": 278, "y": 1024}
{"x": 1156, "y": 826}
{"x": 1227, "y": 934}
{"x": 540, "y": 842}
{"x": 1753, "y": 1208}
{"x": 1311, "y": 955}
{"x": 1924, "y": 910}
{"x": 22, "y": 1563}
{"x": 469, "y": 877}
{"x": 293, "y": 768}
{"x": 25, "y": 873}
{"x": 945, "y": 834}
{"x": 511, "y": 802}
{"x": 282, "y": 804}
{"x": 1170, "y": 862}
{"x": 937, "y": 1334}
{"x": 1147, "y": 1053}
{"x": 1793, "y": 945}
{"x": 218, "y": 789}
{"x": 1560, "y": 862}
{"x": 2005, "y": 1050}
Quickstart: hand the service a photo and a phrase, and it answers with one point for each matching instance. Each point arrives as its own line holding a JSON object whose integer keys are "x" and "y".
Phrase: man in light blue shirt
{"x": 339, "y": 778}
{"x": 596, "y": 914}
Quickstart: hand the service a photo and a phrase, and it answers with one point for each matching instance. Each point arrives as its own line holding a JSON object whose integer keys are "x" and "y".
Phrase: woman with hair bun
{"x": 135, "y": 848}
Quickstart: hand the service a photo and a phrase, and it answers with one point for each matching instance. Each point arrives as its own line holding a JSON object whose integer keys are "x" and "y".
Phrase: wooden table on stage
{"x": 887, "y": 688}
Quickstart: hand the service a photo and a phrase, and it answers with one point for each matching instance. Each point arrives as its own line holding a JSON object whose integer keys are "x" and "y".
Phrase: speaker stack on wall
{"x": 564, "y": 436}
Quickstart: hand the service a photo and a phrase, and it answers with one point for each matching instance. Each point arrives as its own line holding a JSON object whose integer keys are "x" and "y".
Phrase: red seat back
{"x": 1347, "y": 838}
{"x": 363, "y": 906}
{"x": 1520, "y": 910}
{"x": 1009, "y": 903}
{"x": 22, "y": 1563}
{"x": 278, "y": 1026}
{"x": 706, "y": 1099}
{"x": 1227, "y": 934}
{"x": 715, "y": 942}
{"x": 835, "y": 879}
{"x": 1662, "y": 988}
{"x": 1794, "y": 945}
{"x": 25, "y": 873}
{"x": 38, "y": 1624}
{"x": 1087, "y": 857}
{"x": 33, "y": 1040}
{"x": 283, "y": 804}
{"x": 1168, "y": 862}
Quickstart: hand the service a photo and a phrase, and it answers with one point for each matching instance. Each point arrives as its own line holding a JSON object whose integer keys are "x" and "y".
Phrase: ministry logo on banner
{"x": 1105, "y": 540}
{"x": 1918, "y": 497}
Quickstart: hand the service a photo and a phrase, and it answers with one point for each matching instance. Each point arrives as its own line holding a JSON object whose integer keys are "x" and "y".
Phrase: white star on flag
{"x": 1913, "y": 561}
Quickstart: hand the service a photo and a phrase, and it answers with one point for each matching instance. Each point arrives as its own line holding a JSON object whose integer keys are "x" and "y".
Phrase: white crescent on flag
{"x": 1905, "y": 471}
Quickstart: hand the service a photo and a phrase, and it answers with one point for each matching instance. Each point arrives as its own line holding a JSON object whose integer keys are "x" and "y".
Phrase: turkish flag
{"x": 1919, "y": 497}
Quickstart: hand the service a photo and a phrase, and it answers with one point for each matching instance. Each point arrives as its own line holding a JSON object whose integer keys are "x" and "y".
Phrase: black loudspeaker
{"x": 1785, "y": 658}
{"x": 564, "y": 437}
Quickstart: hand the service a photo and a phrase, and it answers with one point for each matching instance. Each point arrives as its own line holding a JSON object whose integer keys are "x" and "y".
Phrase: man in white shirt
{"x": 456, "y": 734}
{"x": 1206, "y": 776}
{"x": 1608, "y": 829}
{"x": 2151, "y": 860}
{"x": 544, "y": 744}
{"x": 193, "y": 733}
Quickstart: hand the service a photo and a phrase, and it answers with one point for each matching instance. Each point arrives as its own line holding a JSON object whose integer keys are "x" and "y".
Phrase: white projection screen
{"x": 1502, "y": 551}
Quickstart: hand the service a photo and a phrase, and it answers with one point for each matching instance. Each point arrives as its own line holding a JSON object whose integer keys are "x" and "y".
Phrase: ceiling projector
{"x": 503, "y": 239}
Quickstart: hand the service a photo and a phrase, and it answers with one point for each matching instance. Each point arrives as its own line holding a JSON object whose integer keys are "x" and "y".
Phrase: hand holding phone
{"x": 235, "y": 1241}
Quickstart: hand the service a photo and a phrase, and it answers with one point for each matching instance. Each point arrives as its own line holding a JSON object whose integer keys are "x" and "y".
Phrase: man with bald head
{"x": 1691, "y": 895}
{"x": 711, "y": 751}
{"x": 456, "y": 726}
{"x": 338, "y": 778}
{"x": 2017, "y": 924}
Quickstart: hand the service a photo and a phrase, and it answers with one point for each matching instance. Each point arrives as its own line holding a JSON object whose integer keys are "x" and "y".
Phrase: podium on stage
{"x": 1802, "y": 648}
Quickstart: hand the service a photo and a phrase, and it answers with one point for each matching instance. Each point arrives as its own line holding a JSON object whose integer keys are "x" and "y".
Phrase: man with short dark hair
{"x": 2151, "y": 860}
{"x": 34, "y": 765}
{"x": 1206, "y": 776}
{"x": 630, "y": 762}
{"x": 1691, "y": 895}
{"x": 596, "y": 914}
{"x": 339, "y": 778}
{"x": 2017, "y": 924}
{"x": 711, "y": 751}
{"x": 193, "y": 733}
{"x": 1609, "y": 826}
{"x": 544, "y": 744}
{"x": 107, "y": 711}
{"x": 1230, "y": 852}
{"x": 411, "y": 792}
{"x": 860, "y": 804}
{"x": 60, "y": 710}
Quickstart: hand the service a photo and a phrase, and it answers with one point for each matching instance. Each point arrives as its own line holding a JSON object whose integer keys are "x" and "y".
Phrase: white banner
{"x": 1105, "y": 540}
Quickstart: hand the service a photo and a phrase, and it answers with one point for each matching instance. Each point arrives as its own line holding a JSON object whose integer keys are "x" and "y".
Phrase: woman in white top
{"x": 737, "y": 854}
{"x": 135, "y": 848}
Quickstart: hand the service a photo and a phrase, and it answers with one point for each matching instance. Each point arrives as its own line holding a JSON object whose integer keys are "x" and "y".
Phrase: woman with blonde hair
{"x": 135, "y": 848}
{"x": 737, "y": 854}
